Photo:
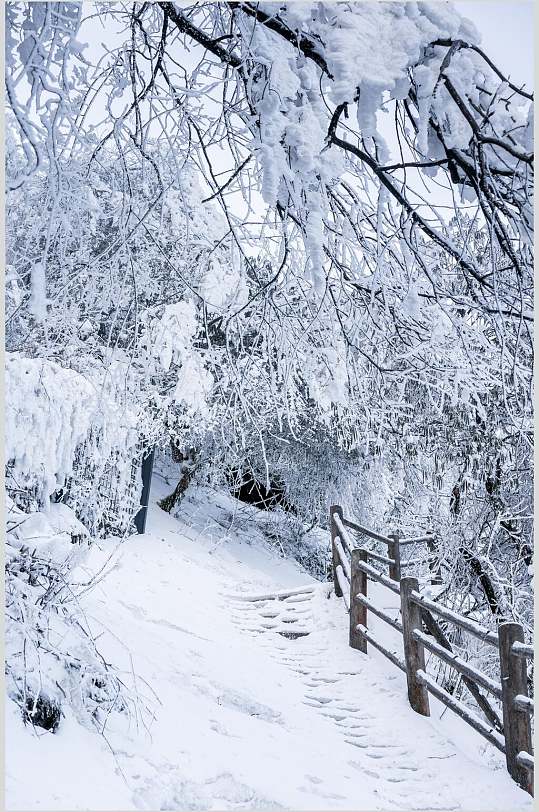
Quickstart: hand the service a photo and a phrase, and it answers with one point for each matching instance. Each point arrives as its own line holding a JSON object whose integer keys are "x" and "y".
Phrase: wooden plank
{"x": 347, "y": 543}
{"x": 524, "y": 703}
{"x": 433, "y": 627}
{"x": 459, "y": 664}
{"x": 379, "y": 613}
{"x": 417, "y": 539}
{"x": 342, "y": 531}
{"x": 416, "y": 561}
{"x": 461, "y": 710}
{"x": 344, "y": 586}
{"x": 393, "y": 550}
{"x": 373, "y": 573}
{"x": 343, "y": 560}
{"x": 335, "y": 510}
{"x": 382, "y": 558}
{"x": 365, "y": 531}
{"x": 516, "y": 720}
{"x": 522, "y": 650}
{"x": 358, "y": 592}
{"x": 525, "y": 760}
{"x": 469, "y": 625}
{"x": 391, "y": 655}
{"x": 414, "y": 654}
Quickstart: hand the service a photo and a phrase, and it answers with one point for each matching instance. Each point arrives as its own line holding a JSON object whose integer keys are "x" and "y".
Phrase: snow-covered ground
{"x": 258, "y": 703}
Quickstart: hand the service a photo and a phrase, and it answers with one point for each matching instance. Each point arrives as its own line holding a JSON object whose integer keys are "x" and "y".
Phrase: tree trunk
{"x": 188, "y": 466}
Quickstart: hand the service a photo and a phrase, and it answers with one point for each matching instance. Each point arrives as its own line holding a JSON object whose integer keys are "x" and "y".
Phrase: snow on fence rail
{"x": 512, "y": 736}
{"x": 465, "y": 623}
{"x": 522, "y": 650}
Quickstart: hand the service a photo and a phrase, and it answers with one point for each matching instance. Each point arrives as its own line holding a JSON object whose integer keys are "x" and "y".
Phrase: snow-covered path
{"x": 260, "y": 703}
{"x": 404, "y": 761}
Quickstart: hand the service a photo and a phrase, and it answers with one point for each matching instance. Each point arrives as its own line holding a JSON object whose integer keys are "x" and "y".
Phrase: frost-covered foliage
{"x": 63, "y": 434}
{"x": 64, "y": 440}
{"x": 41, "y": 38}
{"x": 293, "y": 540}
{"x": 69, "y": 442}
{"x": 51, "y": 658}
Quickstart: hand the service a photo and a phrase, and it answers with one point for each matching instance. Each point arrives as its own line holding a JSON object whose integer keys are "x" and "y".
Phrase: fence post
{"x": 414, "y": 653}
{"x": 516, "y": 721}
{"x": 334, "y": 554}
{"x": 393, "y": 550}
{"x": 146, "y": 476}
{"x": 358, "y": 612}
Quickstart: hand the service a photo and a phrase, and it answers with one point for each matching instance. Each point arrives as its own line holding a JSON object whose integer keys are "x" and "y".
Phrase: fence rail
{"x": 459, "y": 620}
{"x": 512, "y": 735}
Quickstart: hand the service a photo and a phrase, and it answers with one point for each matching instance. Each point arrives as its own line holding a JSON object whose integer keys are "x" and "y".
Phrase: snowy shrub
{"x": 51, "y": 657}
{"x": 65, "y": 437}
{"x": 309, "y": 547}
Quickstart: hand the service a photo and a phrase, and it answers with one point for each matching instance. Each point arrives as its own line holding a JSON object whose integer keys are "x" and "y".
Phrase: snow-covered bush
{"x": 65, "y": 436}
{"x": 65, "y": 440}
{"x": 51, "y": 658}
{"x": 309, "y": 547}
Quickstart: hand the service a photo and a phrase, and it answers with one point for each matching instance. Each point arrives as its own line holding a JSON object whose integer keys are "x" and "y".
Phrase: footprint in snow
{"x": 246, "y": 705}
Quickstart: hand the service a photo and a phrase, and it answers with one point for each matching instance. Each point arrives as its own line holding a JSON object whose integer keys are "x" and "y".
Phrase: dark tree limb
{"x": 434, "y": 628}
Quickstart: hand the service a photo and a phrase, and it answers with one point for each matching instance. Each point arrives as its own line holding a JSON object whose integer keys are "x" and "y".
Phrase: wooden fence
{"x": 420, "y": 630}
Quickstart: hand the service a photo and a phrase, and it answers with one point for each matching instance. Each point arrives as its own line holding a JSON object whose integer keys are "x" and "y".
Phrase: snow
{"x": 52, "y": 413}
{"x": 49, "y": 412}
{"x": 38, "y": 295}
{"x": 173, "y": 333}
{"x": 223, "y": 286}
{"x": 51, "y": 535}
{"x": 194, "y": 384}
{"x": 172, "y": 337}
{"x": 245, "y": 717}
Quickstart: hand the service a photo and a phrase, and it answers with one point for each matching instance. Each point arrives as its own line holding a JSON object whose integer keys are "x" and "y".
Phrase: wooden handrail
{"x": 522, "y": 650}
{"x": 343, "y": 559}
{"x": 365, "y": 531}
{"x": 461, "y": 710}
{"x": 379, "y": 613}
{"x": 418, "y": 539}
{"x": 378, "y": 576}
{"x": 414, "y": 561}
{"x": 524, "y": 703}
{"x": 434, "y": 629}
{"x": 350, "y": 581}
{"x": 344, "y": 584}
{"x": 459, "y": 664}
{"x": 382, "y": 558}
{"x": 525, "y": 760}
{"x": 343, "y": 532}
{"x": 395, "y": 659}
{"x": 465, "y": 623}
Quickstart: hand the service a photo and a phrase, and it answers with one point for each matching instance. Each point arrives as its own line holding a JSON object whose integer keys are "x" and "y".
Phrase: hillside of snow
{"x": 247, "y": 698}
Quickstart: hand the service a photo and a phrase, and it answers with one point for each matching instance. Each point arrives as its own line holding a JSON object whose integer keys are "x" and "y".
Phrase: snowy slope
{"x": 259, "y": 703}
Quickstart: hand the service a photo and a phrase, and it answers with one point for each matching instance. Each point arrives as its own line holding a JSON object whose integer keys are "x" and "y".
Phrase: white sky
{"x": 507, "y": 33}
